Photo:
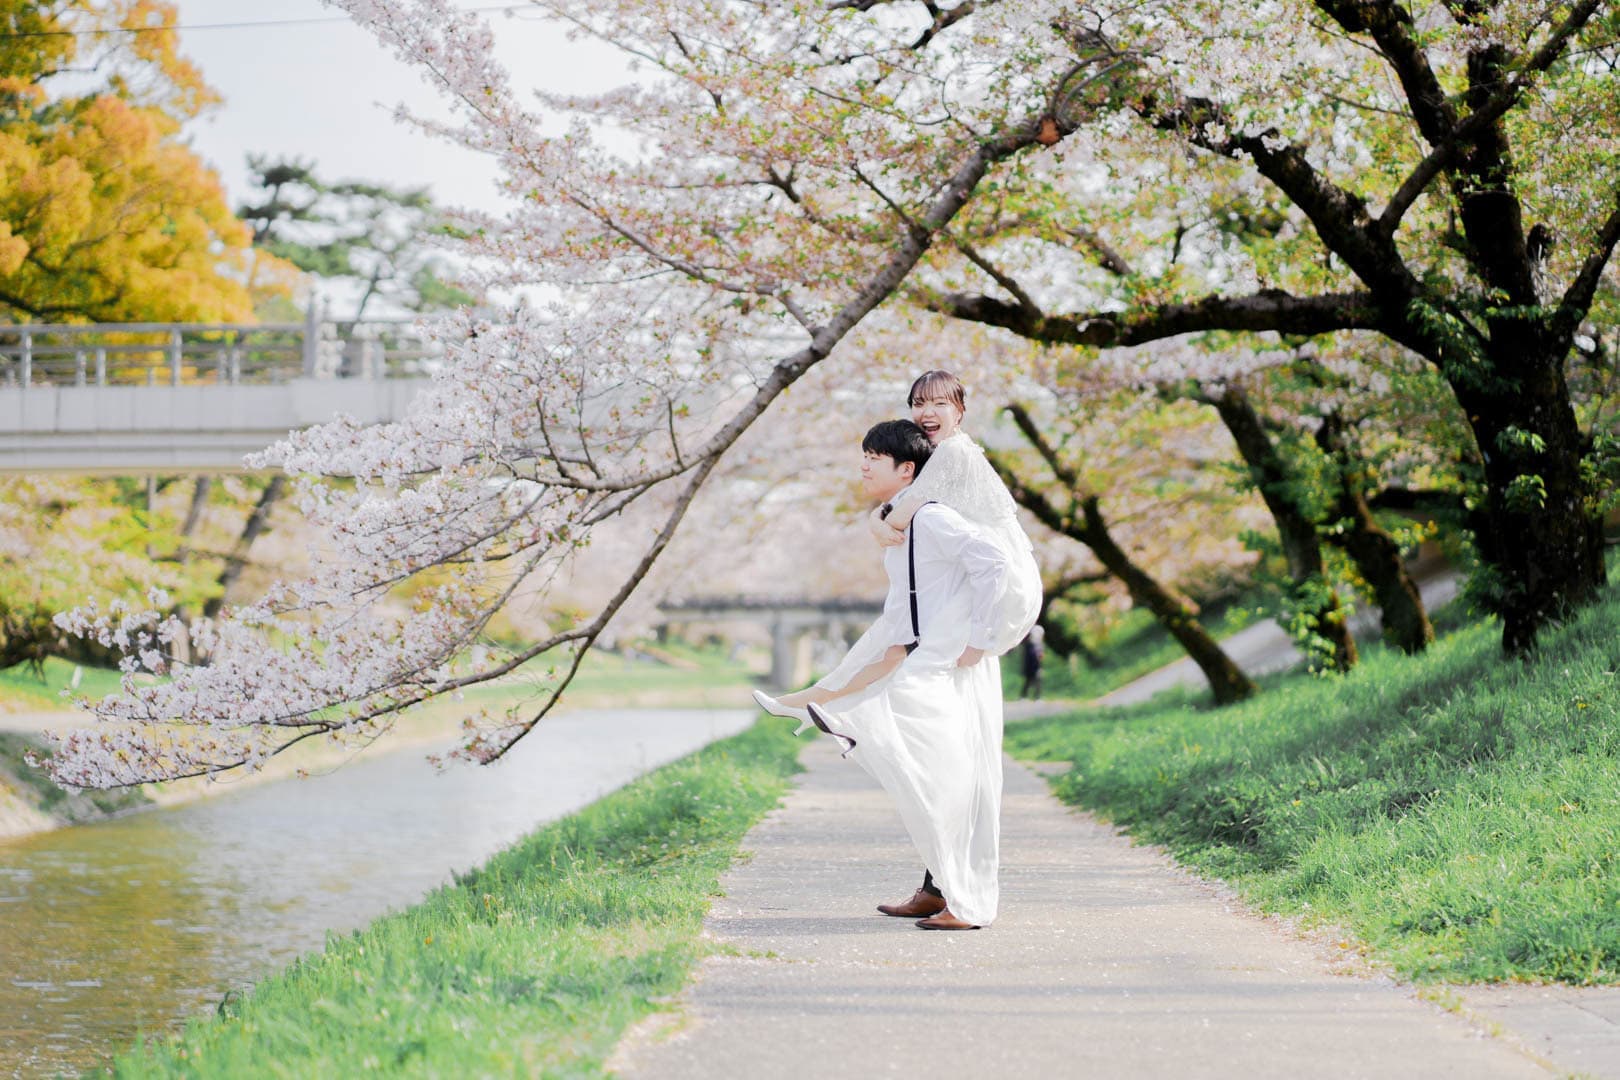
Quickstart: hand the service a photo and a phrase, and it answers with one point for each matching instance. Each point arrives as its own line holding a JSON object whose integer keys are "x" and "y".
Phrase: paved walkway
{"x": 1107, "y": 961}
{"x": 39, "y": 722}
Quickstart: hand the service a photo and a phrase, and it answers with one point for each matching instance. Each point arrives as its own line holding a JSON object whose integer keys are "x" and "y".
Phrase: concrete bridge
{"x": 796, "y": 625}
{"x": 131, "y": 398}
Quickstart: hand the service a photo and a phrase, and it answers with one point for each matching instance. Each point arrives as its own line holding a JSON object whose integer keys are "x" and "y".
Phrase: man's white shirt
{"x": 960, "y": 575}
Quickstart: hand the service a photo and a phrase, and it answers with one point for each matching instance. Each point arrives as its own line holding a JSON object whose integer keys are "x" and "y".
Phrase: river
{"x": 132, "y": 925}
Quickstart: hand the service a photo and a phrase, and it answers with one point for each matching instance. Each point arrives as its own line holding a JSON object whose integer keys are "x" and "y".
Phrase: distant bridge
{"x": 130, "y": 398}
{"x": 794, "y": 623}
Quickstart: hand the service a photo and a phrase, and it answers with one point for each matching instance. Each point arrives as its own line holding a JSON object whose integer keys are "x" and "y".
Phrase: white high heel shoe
{"x": 776, "y": 708}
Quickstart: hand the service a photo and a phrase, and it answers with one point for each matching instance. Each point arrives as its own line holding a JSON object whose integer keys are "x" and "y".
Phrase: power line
{"x": 311, "y": 21}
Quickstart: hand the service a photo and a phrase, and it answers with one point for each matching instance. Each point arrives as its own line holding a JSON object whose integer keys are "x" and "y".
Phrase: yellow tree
{"x": 105, "y": 214}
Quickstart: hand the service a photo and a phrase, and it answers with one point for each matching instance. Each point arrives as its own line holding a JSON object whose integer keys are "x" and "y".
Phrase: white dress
{"x": 930, "y": 732}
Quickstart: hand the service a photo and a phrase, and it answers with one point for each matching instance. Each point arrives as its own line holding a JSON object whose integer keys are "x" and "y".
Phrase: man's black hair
{"x": 901, "y": 440}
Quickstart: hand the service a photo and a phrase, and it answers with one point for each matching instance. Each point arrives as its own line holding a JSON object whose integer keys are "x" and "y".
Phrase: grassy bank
{"x": 532, "y": 965}
{"x": 1458, "y": 812}
{"x": 22, "y": 689}
{"x": 680, "y": 676}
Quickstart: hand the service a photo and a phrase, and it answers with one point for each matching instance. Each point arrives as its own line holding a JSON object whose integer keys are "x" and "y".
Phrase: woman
{"x": 958, "y": 475}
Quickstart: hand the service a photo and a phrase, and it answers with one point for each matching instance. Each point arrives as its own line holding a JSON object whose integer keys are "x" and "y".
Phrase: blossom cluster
{"x": 784, "y": 184}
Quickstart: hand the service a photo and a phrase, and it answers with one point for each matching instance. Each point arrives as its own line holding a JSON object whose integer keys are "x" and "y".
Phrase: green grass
{"x": 533, "y": 965}
{"x": 691, "y": 676}
{"x": 1457, "y": 812}
{"x": 21, "y": 690}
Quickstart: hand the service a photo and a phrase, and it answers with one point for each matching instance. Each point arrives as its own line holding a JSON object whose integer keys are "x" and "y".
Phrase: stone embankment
{"x": 18, "y": 814}
{"x": 29, "y": 801}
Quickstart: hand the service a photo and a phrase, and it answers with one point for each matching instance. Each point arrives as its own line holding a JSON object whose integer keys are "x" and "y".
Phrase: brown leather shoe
{"x": 921, "y": 903}
{"x": 946, "y": 921}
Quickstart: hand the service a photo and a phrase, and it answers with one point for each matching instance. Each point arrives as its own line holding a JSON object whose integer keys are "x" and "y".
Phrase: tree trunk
{"x": 1226, "y": 679}
{"x": 1316, "y": 604}
{"x": 1374, "y": 551}
{"x": 237, "y": 559}
{"x": 1534, "y": 530}
{"x": 199, "y": 500}
{"x": 1058, "y": 637}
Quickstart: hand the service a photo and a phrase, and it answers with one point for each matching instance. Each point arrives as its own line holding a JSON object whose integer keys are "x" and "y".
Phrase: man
{"x": 1034, "y": 653}
{"x": 930, "y": 731}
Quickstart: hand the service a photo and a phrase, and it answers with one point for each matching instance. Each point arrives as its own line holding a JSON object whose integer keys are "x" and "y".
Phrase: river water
{"x": 132, "y": 925}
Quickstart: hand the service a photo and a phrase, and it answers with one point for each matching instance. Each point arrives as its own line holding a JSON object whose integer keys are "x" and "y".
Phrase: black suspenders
{"x": 911, "y": 573}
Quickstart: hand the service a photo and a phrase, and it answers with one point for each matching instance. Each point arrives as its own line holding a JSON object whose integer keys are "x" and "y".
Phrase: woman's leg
{"x": 868, "y": 675}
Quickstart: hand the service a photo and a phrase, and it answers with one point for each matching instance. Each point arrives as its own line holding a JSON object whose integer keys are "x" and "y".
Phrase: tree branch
{"x": 1485, "y": 114}
{"x": 1390, "y": 25}
{"x": 1339, "y": 216}
{"x": 1025, "y": 302}
{"x": 1026, "y": 426}
{"x": 912, "y": 244}
{"x": 1269, "y": 309}
{"x": 942, "y": 18}
{"x": 1107, "y": 256}
{"x": 1577, "y": 300}
{"x": 1039, "y": 506}
{"x": 588, "y": 636}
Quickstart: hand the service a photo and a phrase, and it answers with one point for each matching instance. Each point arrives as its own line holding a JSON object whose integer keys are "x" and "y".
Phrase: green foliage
{"x": 369, "y": 234}
{"x": 1460, "y": 815}
{"x": 1516, "y": 442}
{"x": 532, "y": 965}
{"x": 1525, "y": 493}
{"x": 1458, "y": 348}
{"x": 1600, "y": 473}
{"x": 74, "y": 541}
{"x": 1303, "y": 606}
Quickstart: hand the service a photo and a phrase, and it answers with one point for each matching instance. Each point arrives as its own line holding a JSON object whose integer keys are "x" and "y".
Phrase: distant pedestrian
{"x": 1034, "y": 651}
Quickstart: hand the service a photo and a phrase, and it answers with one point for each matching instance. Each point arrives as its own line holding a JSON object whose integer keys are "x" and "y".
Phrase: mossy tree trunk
{"x": 1376, "y": 554}
{"x": 1083, "y": 520}
{"x": 1315, "y": 602}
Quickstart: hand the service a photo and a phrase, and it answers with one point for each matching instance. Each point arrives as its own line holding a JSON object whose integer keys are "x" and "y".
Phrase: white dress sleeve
{"x": 983, "y": 563}
{"x": 960, "y": 476}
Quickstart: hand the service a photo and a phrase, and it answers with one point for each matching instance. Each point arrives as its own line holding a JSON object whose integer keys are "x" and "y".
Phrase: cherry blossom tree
{"x": 1067, "y": 498}
{"x": 690, "y": 247}
{"x": 1399, "y": 156}
{"x": 690, "y": 280}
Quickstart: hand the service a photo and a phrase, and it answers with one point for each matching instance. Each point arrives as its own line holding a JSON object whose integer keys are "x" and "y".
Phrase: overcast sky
{"x": 325, "y": 92}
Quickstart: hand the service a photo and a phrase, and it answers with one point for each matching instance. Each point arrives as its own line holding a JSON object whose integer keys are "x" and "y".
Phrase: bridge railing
{"x": 192, "y": 354}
